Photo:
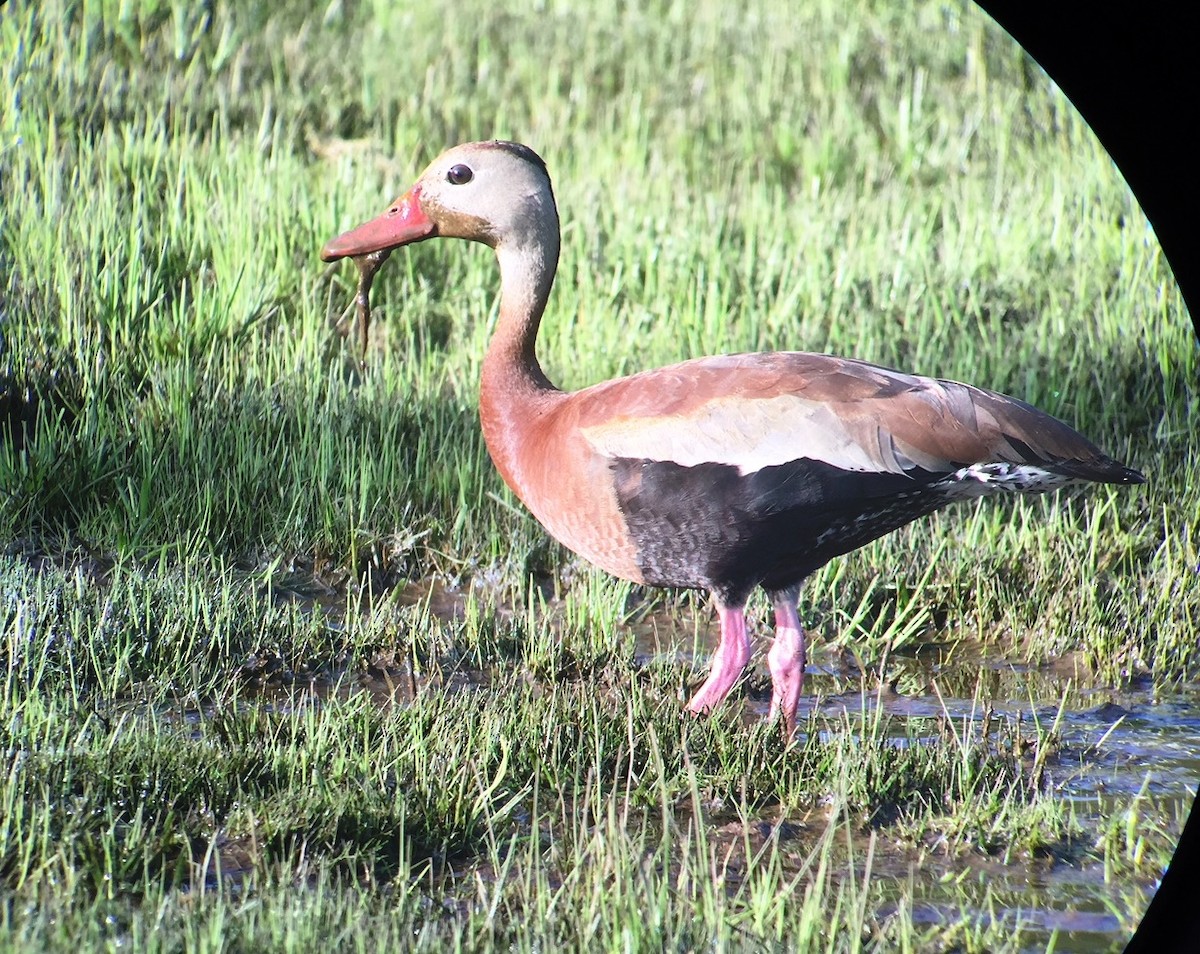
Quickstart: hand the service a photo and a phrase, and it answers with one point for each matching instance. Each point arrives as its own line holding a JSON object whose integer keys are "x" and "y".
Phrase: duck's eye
{"x": 459, "y": 175}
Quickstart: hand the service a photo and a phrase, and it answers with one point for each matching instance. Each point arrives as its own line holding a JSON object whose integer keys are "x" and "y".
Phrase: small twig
{"x": 367, "y": 266}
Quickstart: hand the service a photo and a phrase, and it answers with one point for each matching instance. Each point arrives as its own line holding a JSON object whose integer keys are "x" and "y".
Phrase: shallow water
{"x": 1112, "y": 745}
{"x": 1114, "y": 740}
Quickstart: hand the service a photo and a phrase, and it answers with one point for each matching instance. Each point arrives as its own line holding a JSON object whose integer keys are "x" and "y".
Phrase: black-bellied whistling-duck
{"x": 721, "y": 473}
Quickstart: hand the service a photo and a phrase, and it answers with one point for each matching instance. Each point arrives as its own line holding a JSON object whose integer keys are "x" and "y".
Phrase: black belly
{"x": 707, "y": 526}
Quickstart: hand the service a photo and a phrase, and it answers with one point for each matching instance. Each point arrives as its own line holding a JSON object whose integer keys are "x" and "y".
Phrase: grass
{"x": 210, "y": 515}
{"x": 550, "y": 790}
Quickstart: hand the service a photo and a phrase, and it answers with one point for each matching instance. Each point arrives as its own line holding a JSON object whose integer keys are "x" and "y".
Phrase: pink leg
{"x": 730, "y": 659}
{"x": 786, "y": 659}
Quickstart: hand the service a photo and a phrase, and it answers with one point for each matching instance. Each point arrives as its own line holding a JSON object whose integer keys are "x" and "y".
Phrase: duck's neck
{"x": 526, "y": 275}
{"x": 514, "y": 391}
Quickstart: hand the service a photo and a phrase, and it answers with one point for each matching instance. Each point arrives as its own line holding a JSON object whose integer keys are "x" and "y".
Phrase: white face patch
{"x": 495, "y": 189}
{"x": 751, "y": 434}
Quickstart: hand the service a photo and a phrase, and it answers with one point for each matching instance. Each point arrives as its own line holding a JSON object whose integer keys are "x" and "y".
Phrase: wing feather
{"x": 762, "y": 410}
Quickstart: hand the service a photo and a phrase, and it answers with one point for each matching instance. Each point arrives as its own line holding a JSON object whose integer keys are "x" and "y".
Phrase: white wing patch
{"x": 981, "y": 480}
{"x": 754, "y": 434}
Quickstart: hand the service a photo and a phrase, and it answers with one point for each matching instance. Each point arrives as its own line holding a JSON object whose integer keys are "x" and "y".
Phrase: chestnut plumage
{"x": 722, "y": 473}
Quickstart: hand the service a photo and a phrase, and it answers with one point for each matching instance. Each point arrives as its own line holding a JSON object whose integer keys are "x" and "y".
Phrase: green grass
{"x": 206, "y": 508}
{"x": 578, "y": 808}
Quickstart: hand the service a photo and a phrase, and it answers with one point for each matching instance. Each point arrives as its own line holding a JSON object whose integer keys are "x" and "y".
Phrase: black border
{"x": 1133, "y": 72}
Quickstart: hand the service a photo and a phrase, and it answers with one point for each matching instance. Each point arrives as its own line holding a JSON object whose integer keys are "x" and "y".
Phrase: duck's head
{"x": 494, "y": 192}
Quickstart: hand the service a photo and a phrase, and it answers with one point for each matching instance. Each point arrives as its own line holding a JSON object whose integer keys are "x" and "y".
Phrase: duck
{"x": 727, "y": 473}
